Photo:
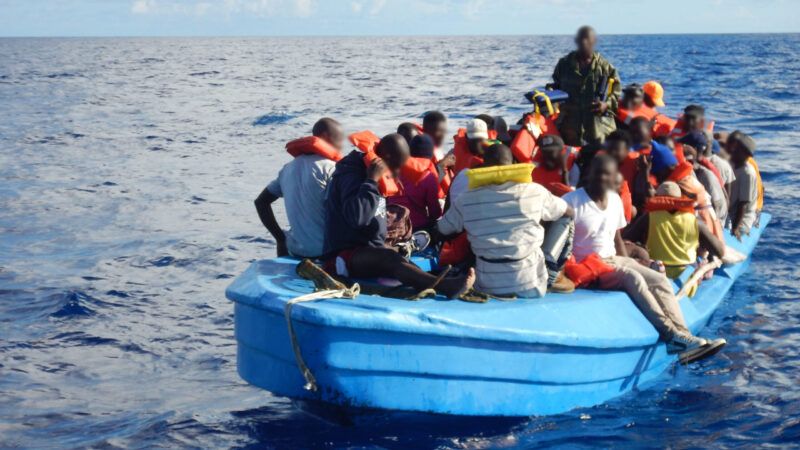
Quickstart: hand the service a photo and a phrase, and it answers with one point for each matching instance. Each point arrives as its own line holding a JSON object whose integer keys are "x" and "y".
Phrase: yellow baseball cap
{"x": 654, "y": 90}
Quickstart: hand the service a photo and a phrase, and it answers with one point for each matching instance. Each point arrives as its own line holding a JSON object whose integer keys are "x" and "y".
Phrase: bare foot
{"x": 456, "y": 287}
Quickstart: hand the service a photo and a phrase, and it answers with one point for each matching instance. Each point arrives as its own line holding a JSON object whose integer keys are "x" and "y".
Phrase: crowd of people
{"x": 600, "y": 190}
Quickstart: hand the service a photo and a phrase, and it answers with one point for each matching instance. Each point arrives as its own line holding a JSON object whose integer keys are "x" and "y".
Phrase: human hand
{"x": 377, "y": 169}
{"x": 599, "y": 107}
{"x": 449, "y": 160}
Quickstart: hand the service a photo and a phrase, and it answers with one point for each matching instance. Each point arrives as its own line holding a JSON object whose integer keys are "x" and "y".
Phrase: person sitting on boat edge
{"x": 355, "y": 230}
{"x": 501, "y": 213}
{"x": 747, "y": 195}
{"x": 599, "y": 220}
{"x": 420, "y": 185}
{"x": 671, "y": 232}
{"x": 434, "y": 125}
{"x": 469, "y": 153}
{"x": 715, "y": 155}
{"x": 302, "y": 183}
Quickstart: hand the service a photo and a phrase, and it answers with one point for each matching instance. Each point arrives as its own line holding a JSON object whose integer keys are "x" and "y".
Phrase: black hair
{"x": 620, "y": 135}
{"x": 488, "y": 119}
{"x": 498, "y": 155}
{"x": 324, "y": 126}
{"x": 639, "y": 119}
{"x": 433, "y": 118}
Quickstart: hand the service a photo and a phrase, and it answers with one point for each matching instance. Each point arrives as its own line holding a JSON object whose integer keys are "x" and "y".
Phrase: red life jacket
{"x": 587, "y": 271}
{"x": 367, "y": 142}
{"x": 663, "y": 125}
{"x": 455, "y": 251}
{"x": 545, "y": 176}
{"x": 523, "y": 147}
{"x": 313, "y": 145}
{"x": 670, "y": 204}
{"x": 464, "y": 158}
{"x": 629, "y": 167}
{"x": 681, "y": 171}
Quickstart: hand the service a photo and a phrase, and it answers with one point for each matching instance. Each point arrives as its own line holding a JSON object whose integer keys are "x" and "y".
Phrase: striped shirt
{"x": 502, "y": 225}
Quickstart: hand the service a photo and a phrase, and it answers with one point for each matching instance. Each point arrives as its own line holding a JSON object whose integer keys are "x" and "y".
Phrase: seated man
{"x": 671, "y": 231}
{"x": 469, "y": 147}
{"x": 719, "y": 159}
{"x": 555, "y": 164}
{"x": 502, "y": 222}
{"x": 302, "y": 183}
{"x": 747, "y": 190}
{"x": 434, "y": 125}
{"x": 420, "y": 185}
{"x": 618, "y": 147}
{"x": 356, "y": 223}
{"x": 598, "y": 221}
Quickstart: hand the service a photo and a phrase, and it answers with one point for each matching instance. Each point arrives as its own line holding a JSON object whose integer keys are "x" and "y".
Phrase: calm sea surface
{"x": 127, "y": 173}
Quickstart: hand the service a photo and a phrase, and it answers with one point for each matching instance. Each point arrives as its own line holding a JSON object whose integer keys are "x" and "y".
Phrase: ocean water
{"x": 128, "y": 168}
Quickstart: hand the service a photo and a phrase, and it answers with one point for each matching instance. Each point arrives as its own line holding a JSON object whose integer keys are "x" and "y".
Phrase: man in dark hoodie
{"x": 356, "y": 223}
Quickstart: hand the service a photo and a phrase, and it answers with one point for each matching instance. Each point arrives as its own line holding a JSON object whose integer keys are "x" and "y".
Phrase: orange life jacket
{"x": 669, "y": 204}
{"x": 681, "y": 171}
{"x": 587, "y": 271}
{"x": 663, "y": 125}
{"x": 464, "y": 158}
{"x": 523, "y": 147}
{"x": 627, "y": 115}
{"x": 629, "y": 167}
{"x": 313, "y": 145}
{"x": 691, "y": 187}
{"x": 627, "y": 200}
{"x": 367, "y": 142}
{"x": 416, "y": 169}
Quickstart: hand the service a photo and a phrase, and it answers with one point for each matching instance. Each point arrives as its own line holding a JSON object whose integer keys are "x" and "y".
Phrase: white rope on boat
{"x": 351, "y": 292}
{"x": 696, "y": 276}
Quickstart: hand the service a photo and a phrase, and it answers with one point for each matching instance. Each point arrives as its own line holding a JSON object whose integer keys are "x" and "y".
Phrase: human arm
{"x": 619, "y": 244}
{"x": 637, "y": 231}
{"x": 263, "y": 205}
{"x": 359, "y": 198}
{"x": 452, "y": 222}
{"x": 737, "y": 228}
{"x": 432, "y": 198}
{"x": 710, "y": 242}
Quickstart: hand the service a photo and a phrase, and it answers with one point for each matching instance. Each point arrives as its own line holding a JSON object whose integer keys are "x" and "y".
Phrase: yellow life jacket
{"x": 673, "y": 237}
{"x": 759, "y": 185}
{"x": 484, "y": 176}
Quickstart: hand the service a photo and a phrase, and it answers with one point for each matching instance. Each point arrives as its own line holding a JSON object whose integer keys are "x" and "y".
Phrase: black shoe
{"x": 710, "y": 349}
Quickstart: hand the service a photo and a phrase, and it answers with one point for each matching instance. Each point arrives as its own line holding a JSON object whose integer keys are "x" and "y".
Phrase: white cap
{"x": 477, "y": 129}
{"x": 669, "y": 189}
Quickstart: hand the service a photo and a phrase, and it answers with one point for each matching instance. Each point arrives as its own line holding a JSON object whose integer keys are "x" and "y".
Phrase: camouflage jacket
{"x": 577, "y": 122}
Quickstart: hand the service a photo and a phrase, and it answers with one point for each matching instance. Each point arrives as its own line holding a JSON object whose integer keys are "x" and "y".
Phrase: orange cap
{"x": 654, "y": 90}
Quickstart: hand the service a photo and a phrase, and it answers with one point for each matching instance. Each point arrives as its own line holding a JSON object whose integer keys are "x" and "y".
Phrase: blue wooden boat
{"x": 520, "y": 358}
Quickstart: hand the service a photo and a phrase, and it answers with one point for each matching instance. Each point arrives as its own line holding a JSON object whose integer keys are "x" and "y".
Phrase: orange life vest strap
{"x": 587, "y": 271}
{"x": 313, "y": 145}
{"x": 682, "y": 171}
{"x": 670, "y": 204}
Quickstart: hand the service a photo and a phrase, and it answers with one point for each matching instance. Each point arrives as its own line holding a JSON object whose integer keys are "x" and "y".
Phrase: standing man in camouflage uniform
{"x": 588, "y": 115}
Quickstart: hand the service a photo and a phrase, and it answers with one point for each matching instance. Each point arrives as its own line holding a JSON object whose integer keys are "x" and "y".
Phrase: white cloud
{"x": 303, "y": 8}
{"x": 356, "y": 7}
{"x": 299, "y": 8}
{"x": 142, "y": 6}
{"x": 377, "y": 6}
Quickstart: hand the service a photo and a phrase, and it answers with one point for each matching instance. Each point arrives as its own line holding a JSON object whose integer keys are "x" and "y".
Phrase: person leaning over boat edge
{"x": 302, "y": 183}
{"x": 588, "y": 115}
{"x": 599, "y": 220}
{"x": 355, "y": 231}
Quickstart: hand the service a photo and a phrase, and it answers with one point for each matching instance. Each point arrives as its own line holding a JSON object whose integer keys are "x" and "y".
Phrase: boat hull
{"x": 521, "y": 358}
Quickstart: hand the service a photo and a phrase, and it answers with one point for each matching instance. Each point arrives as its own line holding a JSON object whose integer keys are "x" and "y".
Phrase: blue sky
{"x": 390, "y": 17}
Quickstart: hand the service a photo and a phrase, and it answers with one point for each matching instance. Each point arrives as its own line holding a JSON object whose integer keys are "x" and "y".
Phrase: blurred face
{"x": 693, "y": 122}
{"x": 640, "y": 131}
{"x": 632, "y": 100}
{"x": 603, "y": 176}
{"x": 476, "y": 146}
{"x": 738, "y": 154}
{"x": 551, "y": 157}
{"x": 585, "y": 41}
{"x": 438, "y": 132}
{"x": 690, "y": 153}
{"x": 618, "y": 150}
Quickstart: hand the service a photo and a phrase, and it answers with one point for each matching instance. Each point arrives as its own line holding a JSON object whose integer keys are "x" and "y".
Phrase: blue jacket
{"x": 355, "y": 211}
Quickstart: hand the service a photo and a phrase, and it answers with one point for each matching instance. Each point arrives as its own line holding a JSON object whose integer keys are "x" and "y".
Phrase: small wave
{"x": 272, "y": 119}
{"x": 72, "y": 304}
{"x": 203, "y": 74}
{"x": 62, "y": 75}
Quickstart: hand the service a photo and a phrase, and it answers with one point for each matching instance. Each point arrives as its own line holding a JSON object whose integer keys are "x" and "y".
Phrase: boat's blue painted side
{"x": 537, "y": 356}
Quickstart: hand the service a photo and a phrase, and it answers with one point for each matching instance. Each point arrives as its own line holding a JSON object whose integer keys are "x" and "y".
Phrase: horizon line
{"x": 156, "y": 36}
